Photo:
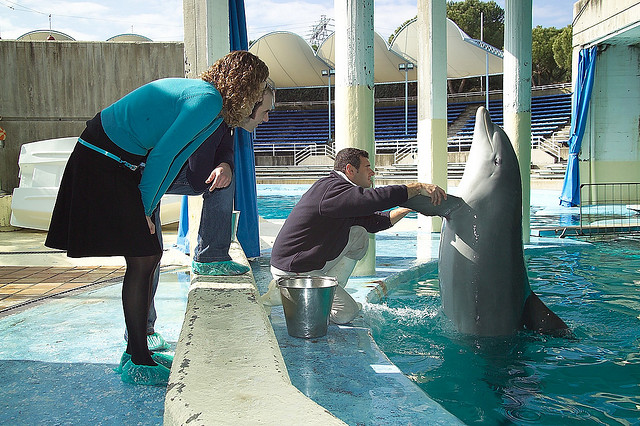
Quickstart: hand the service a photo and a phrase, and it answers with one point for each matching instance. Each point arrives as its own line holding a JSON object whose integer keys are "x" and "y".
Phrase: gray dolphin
{"x": 483, "y": 278}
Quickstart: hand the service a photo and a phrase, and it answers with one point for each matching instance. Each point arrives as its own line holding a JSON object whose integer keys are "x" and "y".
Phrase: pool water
{"x": 526, "y": 378}
{"x": 530, "y": 378}
{"x": 276, "y": 202}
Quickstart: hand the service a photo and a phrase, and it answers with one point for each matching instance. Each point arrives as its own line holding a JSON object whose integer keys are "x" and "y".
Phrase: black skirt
{"x": 99, "y": 211}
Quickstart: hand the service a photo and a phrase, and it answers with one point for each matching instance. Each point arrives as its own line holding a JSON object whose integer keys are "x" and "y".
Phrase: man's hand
{"x": 220, "y": 177}
{"x": 432, "y": 191}
{"x": 152, "y": 227}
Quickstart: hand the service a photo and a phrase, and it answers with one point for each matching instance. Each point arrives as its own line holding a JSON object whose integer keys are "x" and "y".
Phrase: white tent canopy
{"x": 466, "y": 57}
{"x": 292, "y": 62}
{"x": 385, "y": 63}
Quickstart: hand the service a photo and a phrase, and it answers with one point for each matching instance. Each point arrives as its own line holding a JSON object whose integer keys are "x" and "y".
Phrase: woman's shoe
{"x": 223, "y": 268}
{"x": 155, "y": 342}
{"x": 162, "y": 359}
{"x": 149, "y": 375}
{"x": 123, "y": 360}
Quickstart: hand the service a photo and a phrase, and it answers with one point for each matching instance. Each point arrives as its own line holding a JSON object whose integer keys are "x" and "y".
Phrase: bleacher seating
{"x": 548, "y": 114}
{"x": 291, "y": 130}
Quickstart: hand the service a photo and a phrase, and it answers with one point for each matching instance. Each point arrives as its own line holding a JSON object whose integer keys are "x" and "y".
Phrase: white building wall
{"x": 616, "y": 105}
{"x": 611, "y": 144}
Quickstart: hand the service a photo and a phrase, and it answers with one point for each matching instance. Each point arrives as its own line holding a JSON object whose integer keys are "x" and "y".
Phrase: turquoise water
{"x": 276, "y": 201}
{"x": 530, "y": 378}
{"x": 527, "y": 378}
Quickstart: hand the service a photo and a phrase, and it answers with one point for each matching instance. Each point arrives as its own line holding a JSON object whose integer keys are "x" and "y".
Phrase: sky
{"x": 161, "y": 20}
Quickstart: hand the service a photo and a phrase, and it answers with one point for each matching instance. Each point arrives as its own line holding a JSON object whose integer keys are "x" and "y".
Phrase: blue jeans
{"x": 214, "y": 233}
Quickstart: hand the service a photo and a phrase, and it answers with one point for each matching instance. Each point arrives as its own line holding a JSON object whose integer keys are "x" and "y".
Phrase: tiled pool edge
{"x": 228, "y": 366}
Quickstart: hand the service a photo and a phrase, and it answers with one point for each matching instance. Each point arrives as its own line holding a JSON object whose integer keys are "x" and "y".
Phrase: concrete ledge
{"x": 228, "y": 368}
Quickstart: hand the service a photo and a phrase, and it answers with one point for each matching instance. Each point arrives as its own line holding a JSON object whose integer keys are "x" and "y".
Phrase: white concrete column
{"x": 354, "y": 38}
{"x": 206, "y": 39}
{"x": 206, "y": 34}
{"x": 432, "y": 107}
{"x": 517, "y": 95}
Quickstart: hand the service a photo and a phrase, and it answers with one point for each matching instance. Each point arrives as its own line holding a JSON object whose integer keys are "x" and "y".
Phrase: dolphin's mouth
{"x": 488, "y": 128}
{"x": 484, "y": 124}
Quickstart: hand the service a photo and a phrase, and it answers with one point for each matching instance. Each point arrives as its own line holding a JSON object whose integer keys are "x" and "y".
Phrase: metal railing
{"x": 609, "y": 208}
{"x": 458, "y": 143}
{"x": 280, "y": 149}
{"x": 549, "y": 146}
{"x": 404, "y": 152}
{"x": 310, "y": 150}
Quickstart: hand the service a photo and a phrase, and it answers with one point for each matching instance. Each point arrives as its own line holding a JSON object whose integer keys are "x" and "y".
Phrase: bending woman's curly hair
{"x": 239, "y": 77}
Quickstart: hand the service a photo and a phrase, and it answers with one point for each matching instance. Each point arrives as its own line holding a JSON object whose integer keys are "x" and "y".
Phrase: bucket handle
{"x": 284, "y": 292}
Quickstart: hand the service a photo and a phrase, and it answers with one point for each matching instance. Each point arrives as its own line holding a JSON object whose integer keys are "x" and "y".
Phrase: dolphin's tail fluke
{"x": 422, "y": 204}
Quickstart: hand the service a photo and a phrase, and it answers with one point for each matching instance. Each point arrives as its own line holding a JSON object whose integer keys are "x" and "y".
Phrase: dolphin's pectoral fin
{"x": 537, "y": 317}
{"x": 422, "y": 204}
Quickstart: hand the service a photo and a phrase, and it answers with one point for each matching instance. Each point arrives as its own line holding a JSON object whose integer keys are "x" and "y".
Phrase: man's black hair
{"x": 349, "y": 156}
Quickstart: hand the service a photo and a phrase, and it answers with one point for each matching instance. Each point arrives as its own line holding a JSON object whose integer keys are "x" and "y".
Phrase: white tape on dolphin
{"x": 483, "y": 278}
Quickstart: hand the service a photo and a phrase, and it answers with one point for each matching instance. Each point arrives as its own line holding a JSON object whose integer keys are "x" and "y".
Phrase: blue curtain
{"x": 246, "y": 196}
{"x": 570, "y": 196}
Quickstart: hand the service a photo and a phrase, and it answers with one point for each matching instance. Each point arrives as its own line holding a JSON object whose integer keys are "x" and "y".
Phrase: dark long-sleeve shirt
{"x": 317, "y": 228}
{"x": 216, "y": 149}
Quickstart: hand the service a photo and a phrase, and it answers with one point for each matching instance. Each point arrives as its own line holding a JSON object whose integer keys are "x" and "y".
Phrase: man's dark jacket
{"x": 317, "y": 229}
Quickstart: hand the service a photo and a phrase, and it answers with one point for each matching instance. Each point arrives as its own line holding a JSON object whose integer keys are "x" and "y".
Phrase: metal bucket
{"x": 307, "y": 303}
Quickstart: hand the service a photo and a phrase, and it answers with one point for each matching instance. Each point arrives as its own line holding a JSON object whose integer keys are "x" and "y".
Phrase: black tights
{"x": 136, "y": 298}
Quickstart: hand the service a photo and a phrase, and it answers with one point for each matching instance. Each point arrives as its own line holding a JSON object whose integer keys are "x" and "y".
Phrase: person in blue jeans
{"x": 209, "y": 172}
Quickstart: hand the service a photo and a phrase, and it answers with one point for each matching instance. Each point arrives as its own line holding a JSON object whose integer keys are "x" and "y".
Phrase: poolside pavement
{"x": 52, "y": 375}
{"x": 31, "y": 272}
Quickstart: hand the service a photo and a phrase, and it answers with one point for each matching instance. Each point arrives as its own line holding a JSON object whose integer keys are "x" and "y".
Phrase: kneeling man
{"x": 326, "y": 232}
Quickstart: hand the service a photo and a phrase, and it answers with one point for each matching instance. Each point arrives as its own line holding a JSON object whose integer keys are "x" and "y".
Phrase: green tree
{"x": 467, "y": 16}
{"x": 562, "y": 51}
{"x": 545, "y": 69}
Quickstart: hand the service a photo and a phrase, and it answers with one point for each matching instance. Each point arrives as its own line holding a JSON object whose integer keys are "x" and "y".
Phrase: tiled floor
{"x": 30, "y": 272}
{"x": 20, "y": 285}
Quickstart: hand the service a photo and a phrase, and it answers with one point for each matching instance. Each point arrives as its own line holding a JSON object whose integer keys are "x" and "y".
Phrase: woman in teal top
{"x": 124, "y": 161}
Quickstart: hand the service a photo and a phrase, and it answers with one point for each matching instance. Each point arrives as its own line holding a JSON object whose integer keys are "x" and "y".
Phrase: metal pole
{"x": 329, "y": 79}
{"x": 481, "y": 39}
{"x": 486, "y": 62}
{"x": 406, "y": 99}
{"x": 487, "y": 77}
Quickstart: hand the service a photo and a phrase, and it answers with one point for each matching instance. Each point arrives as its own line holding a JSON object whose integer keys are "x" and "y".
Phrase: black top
{"x": 317, "y": 228}
{"x": 216, "y": 149}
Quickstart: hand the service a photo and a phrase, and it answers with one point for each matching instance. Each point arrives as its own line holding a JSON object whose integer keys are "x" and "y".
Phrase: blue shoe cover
{"x": 224, "y": 268}
{"x": 163, "y": 359}
{"x": 156, "y": 375}
{"x": 155, "y": 342}
{"x": 123, "y": 360}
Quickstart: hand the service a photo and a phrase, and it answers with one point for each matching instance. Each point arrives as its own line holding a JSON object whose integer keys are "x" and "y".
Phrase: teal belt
{"x": 112, "y": 156}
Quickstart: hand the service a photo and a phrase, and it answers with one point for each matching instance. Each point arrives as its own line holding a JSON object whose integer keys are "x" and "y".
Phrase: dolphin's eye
{"x": 497, "y": 161}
